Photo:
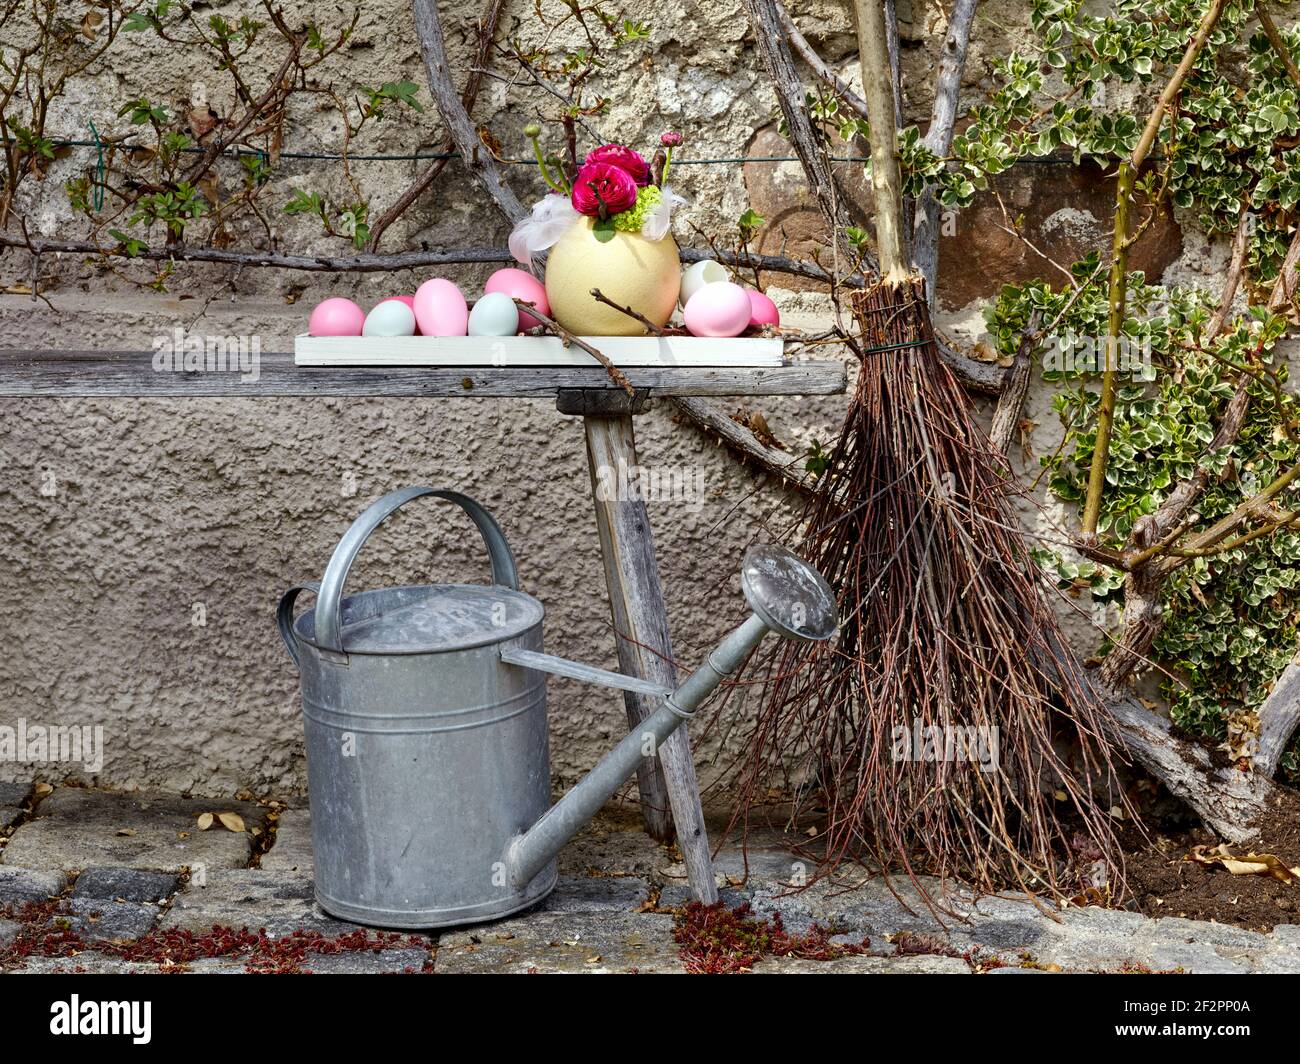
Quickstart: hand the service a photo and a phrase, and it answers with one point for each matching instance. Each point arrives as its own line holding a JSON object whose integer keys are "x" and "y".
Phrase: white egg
{"x": 392, "y": 317}
{"x": 494, "y": 314}
{"x": 697, "y": 275}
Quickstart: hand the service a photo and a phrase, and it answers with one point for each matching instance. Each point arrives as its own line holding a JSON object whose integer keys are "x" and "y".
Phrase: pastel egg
{"x": 392, "y": 317}
{"x": 495, "y": 314}
{"x": 520, "y": 284}
{"x": 718, "y": 309}
{"x": 440, "y": 309}
{"x": 762, "y": 311}
{"x": 410, "y": 302}
{"x": 698, "y": 274}
{"x": 336, "y": 317}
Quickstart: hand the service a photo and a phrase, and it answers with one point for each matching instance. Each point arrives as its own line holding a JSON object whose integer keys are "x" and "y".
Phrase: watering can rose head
{"x": 603, "y": 189}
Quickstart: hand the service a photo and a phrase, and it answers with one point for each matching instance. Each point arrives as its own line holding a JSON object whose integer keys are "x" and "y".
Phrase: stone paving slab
{"x": 767, "y": 861}
{"x": 386, "y": 962}
{"x": 12, "y": 796}
{"x": 8, "y": 931}
{"x": 863, "y": 965}
{"x": 596, "y": 894}
{"x": 77, "y": 828}
{"x": 251, "y": 897}
{"x": 1287, "y": 935}
{"x": 1278, "y": 962}
{"x": 677, "y": 895}
{"x": 398, "y": 961}
{"x": 1193, "y": 959}
{"x": 18, "y": 886}
{"x": 291, "y": 851}
{"x": 598, "y": 919}
{"x": 97, "y": 920}
{"x": 547, "y": 942}
{"x": 216, "y": 966}
{"x": 125, "y": 884}
{"x": 613, "y": 850}
{"x": 863, "y": 906}
{"x": 87, "y": 963}
{"x": 1016, "y": 932}
{"x": 1201, "y": 932}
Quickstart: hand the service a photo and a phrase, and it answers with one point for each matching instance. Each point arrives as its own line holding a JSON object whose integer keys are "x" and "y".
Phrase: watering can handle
{"x": 328, "y": 629}
{"x": 284, "y": 615}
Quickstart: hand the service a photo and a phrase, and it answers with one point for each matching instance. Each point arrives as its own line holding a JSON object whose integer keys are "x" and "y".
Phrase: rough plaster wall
{"x": 164, "y": 508}
{"x": 164, "y": 504}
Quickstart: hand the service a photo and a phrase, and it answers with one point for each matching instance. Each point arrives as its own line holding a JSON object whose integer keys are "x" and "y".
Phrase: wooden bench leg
{"x": 636, "y": 601}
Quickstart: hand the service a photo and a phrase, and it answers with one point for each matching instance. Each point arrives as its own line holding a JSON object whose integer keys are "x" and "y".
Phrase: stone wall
{"x": 143, "y": 544}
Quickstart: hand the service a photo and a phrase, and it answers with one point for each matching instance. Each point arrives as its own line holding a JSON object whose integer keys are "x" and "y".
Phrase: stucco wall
{"x": 125, "y": 523}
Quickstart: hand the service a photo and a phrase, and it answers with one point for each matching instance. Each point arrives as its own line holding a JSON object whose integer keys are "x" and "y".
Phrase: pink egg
{"x": 440, "y": 309}
{"x": 409, "y": 301}
{"x": 520, "y": 284}
{"x": 762, "y": 311}
{"x": 336, "y": 317}
{"x": 718, "y": 309}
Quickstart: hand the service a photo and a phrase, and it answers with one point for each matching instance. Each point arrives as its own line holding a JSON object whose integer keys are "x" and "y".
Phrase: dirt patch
{"x": 1163, "y": 882}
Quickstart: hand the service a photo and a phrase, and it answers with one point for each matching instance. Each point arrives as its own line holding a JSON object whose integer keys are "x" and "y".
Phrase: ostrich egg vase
{"x": 631, "y": 270}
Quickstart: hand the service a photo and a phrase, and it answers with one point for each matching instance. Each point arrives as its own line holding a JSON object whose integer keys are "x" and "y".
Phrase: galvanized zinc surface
{"x": 415, "y": 620}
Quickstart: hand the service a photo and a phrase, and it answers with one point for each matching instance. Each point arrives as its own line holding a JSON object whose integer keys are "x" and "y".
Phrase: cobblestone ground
{"x": 98, "y": 882}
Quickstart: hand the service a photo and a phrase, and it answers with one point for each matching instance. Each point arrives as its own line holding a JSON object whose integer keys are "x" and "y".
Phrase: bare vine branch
{"x": 772, "y": 47}
{"x": 817, "y": 65}
{"x": 938, "y": 138}
{"x": 487, "y": 29}
{"x": 476, "y": 159}
{"x": 1006, "y": 416}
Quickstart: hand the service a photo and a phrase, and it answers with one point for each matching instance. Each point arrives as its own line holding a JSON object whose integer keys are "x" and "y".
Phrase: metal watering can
{"x": 425, "y": 715}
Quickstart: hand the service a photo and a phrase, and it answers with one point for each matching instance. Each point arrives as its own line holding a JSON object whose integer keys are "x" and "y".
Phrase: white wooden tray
{"x": 523, "y": 351}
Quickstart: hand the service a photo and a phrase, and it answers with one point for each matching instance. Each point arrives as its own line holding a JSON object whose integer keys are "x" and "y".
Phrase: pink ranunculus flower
{"x": 623, "y": 158}
{"x": 603, "y": 184}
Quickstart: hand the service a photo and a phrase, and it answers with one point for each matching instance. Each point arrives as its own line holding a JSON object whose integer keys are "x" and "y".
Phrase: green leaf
{"x": 304, "y": 202}
{"x": 603, "y": 230}
{"x": 749, "y": 224}
{"x": 130, "y": 245}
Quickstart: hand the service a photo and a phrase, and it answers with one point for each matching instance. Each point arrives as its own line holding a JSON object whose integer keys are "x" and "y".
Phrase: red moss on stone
{"x": 717, "y": 940}
{"x": 46, "y": 932}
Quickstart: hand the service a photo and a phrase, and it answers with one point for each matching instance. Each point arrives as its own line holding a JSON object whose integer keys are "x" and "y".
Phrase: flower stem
{"x": 541, "y": 164}
{"x": 554, "y": 160}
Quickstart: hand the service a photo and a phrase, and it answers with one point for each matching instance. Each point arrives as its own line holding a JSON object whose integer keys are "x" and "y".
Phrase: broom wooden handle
{"x": 886, "y": 184}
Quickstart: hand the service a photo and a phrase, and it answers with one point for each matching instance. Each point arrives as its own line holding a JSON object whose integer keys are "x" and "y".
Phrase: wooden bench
{"x": 627, "y": 546}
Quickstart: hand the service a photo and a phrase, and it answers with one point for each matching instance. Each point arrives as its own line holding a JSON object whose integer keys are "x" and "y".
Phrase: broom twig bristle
{"x": 945, "y": 632}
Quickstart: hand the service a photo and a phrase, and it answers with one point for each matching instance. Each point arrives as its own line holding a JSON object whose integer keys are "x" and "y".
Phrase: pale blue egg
{"x": 495, "y": 314}
{"x": 389, "y": 318}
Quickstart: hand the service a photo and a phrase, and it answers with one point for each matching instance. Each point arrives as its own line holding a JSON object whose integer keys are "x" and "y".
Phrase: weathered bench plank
{"x": 105, "y": 374}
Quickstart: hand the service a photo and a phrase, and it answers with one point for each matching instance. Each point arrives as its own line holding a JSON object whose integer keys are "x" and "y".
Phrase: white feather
{"x": 660, "y": 218}
{"x": 551, "y": 218}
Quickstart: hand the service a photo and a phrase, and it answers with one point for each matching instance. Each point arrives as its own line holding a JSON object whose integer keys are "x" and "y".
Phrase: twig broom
{"x": 934, "y": 726}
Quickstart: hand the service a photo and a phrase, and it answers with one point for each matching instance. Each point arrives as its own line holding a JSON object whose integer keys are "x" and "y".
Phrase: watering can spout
{"x": 787, "y": 596}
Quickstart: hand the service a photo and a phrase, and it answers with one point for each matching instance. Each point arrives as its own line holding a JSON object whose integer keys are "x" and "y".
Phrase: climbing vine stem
{"x": 1119, "y": 265}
